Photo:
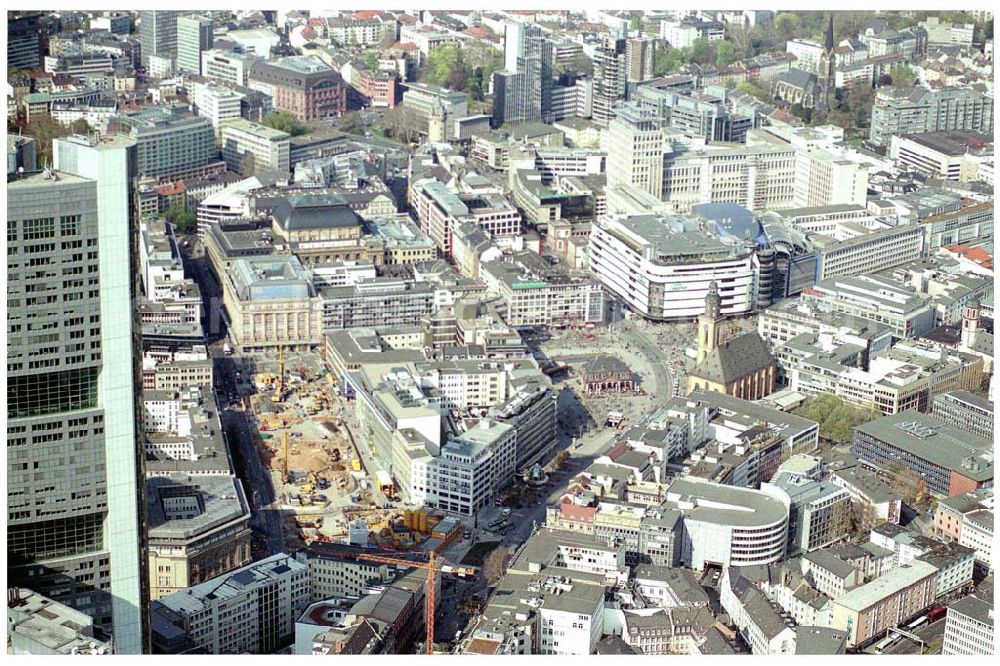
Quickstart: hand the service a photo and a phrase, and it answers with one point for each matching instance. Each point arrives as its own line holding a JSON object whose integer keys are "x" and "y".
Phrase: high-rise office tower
{"x": 610, "y": 73}
{"x": 636, "y": 149}
{"x": 526, "y": 81}
{"x": 194, "y": 35}
{"x": 640, "y": 54}
{"x": 76, "y": 521}
{"x": 158, "y": 33}
{"x": 23, "y": 42}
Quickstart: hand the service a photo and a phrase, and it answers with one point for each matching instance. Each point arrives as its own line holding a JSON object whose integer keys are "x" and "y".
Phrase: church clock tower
{"x": 710, "y": 323}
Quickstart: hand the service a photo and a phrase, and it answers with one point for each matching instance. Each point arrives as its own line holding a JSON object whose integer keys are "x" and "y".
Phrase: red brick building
{"x": 303, "y": 86}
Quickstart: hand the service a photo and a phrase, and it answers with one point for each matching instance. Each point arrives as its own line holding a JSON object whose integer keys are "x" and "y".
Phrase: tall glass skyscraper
{"x": 194, "y": 36}
{"x": 158, "y": 33}
{"x": 76, "y": 529}
{"x": 523, "y": 90}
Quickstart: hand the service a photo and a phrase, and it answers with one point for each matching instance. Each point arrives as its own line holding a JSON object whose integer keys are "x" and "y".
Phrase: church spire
{"x": 829, "y": 34}
{"x": 710, "y": 323}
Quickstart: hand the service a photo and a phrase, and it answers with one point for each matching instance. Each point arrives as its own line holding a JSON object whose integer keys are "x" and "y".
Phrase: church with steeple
{"x": 812, "y": 91}
{"x": 827, "y": 78}
{"x": 741, "y": 366}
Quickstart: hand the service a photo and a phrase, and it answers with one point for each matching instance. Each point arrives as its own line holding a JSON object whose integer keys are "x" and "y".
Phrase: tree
{"x": 904, "y": 481}
{"x": 495, "y": 565}
{"x": 902, "y": 76}
{"x": 185, "y": 221}
{"x": 751, "y": 88}
{"x": 285, "y": 122}
{"x": 836, "y": 418}
{"x": 561, "y": 459}
{"x": 80, "y": 126}
{"x": 371, "y": 60}
{"x": 668, "y": 61}
{"x": 800, "y": 111}
{"x": 635, "y": 23}
{"x": 701, "y": 51}
{"x": 351, "y": 123}
{"x": 458, "y": 78}
{"x": 44, "y": 129}
{"x": 739, "y": 37}
{"x": 440, "y": 63}
{"x": 248, "y": 165}
{"x": 788, "y": 25}
{"x": 852, "y": 518}
{"x": 400, "y": 124}
{"x": 725, "y": 53}
{"x": 581, "y": 63}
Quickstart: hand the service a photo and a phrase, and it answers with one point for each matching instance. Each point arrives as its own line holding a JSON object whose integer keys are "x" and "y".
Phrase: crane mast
{"x": 432, "y": 567}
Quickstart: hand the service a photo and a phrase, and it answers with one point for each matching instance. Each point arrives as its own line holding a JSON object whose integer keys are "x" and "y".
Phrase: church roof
{"x": 798, "y": 78}
{"x": 735, "y": 359}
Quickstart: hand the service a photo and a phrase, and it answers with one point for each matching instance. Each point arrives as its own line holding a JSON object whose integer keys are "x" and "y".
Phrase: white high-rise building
{"x": 636, "y": 146}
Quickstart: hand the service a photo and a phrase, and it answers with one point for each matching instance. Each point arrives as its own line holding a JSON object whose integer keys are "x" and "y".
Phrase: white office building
{"x": 660, "y": 267}
{"x": 968, "y": 629}
{"x": 217, "y": 103}
{"x": 266, "y": 149}
{"x": 470, "y": 469}
{"x": 727, "y": 525}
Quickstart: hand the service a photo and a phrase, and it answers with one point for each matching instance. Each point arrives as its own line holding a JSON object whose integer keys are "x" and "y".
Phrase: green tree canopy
{"x": 788, "y": 25}
{"x": 285, "y": 122}
{"x": 44, "y": 129}
{"x": 837, "y": 419}
{"x": 668, "y": 61}
{"x": 751, "y": 88}
{"x": 440, "y": 64}
{"x": 185, "y": 221}
{"x": 725, "y": 53}
{"x": 902, "y": 76}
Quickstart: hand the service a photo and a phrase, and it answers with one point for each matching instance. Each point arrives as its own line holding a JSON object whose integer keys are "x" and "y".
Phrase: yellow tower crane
{"x": 434, "y": 564}
{"x": 284, "y": 456}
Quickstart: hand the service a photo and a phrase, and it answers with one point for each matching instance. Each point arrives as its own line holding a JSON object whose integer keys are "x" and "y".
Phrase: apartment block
{"x": 899, "y": 111}
{"x": 888, "y": 601}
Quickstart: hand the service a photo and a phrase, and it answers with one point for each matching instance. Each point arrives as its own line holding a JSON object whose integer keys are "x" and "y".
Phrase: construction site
{"x": 320, "y": 480}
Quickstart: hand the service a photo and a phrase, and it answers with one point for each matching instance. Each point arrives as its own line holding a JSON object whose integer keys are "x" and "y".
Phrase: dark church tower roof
{"x": 829, "y": 34}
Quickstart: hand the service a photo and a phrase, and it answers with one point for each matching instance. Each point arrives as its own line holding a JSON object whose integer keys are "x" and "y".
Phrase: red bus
{"x": 937, "y": 613}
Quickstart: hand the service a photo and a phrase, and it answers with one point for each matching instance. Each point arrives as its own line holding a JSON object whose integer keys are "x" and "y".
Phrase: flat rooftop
{"x": 181, "y": 507}
{"x": 886, "y": 585}
{"x": 952, "y": 143}
{"x": 930, "y": 439}
{"x": 725, "y": 505}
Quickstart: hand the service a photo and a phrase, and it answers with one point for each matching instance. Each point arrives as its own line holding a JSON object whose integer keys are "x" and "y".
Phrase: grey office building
{"x": 74, "y": 461}
{"x": 24, "y": 49}
{"x": 697, "y": 114}
{"x": 965, "y": 410}
{"x": 526, "y": 81}
{"x": 170, "y": 140}
{"x": 158, "y": 33}
{"x": 194, "y": 35}
{"x": 610, "y": 79}
{"x": 916, "y": 110}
